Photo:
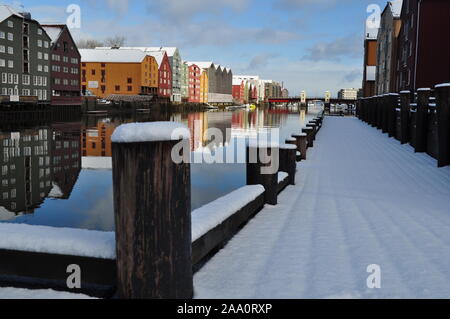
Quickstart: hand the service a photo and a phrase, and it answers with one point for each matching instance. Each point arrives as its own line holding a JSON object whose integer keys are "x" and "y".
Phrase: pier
{"x": 360, "y": 199}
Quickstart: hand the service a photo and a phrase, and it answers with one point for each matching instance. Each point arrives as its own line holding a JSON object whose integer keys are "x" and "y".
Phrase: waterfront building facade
{"x": 220, "y": 82}
{"x": 184, "y": 82}
{"x": 204, "y": 86}
{"x": 65, "y": 66}
{"x": 370, "y": 62}
{"x": 194, "y": 79}
{"x": 423, "y": 49}
{"x": 118, "y": 72}
{"x": 348, "y": 94}
{"x": 24, "y": 56}
{"x": 387, "y": 47}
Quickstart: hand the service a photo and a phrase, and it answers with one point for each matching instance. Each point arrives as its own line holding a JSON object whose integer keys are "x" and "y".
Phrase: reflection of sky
{"x": 90, "y": 205}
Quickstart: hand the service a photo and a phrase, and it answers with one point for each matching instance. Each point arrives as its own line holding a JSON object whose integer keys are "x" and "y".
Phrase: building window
{"x": 2, "y": 35}
{"x": 10, "y": 37}
{"x": 39, "y": 43}
{"x": 93, "y": 72}
{"x": 11, "y": 64}
{"x": 39, "y": 31}
{"x": 2, "y": 63}
{"x": 10, "y": 50}
{"x": 10, "y": 24}
{"x": 130, "y": 88}
{"x": 117, "y": 87}
{"x": 129, "y": 80}
{"x": 2, "y": 49}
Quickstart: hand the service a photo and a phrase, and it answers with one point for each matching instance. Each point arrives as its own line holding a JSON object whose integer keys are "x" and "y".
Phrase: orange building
{"x": 122, "y": 72}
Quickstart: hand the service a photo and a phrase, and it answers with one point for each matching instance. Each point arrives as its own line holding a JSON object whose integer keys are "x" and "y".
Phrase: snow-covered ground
{"x": 17, "y": 293}
{"x": 360, "y": 199}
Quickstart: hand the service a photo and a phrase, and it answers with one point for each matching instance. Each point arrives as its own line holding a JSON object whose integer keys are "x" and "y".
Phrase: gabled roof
{"x": 158, "y": 55}
{"x": 112, "y": 55}
{"x": 54, "y": 30}
{"x": 169, "y": 50}
{"x": 7, "y": 11}
{"x": 203, "y": 65}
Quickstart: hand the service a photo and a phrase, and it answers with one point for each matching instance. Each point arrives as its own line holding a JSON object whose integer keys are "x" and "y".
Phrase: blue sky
{"x": 312, "y": 45}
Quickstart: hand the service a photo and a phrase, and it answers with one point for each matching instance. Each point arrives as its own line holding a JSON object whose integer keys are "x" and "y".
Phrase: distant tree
{"x": 116, "y": 41}
{"x": 89, "y": 44}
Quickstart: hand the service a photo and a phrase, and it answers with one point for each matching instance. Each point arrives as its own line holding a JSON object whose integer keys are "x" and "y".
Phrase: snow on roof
{"x": 203, "y": 65}
{"x": 7, "y": 11}
{"x": 396, "y": 7}
{"x": 61, "y": 241}
{"x": 112, "y": 55}
{"x": 237, "y": 81}
{"x": 150, "y": 132}
{"x": 158, "y": 55}
{"x": 169, "y": 50}
{"x": 53, "y": 31}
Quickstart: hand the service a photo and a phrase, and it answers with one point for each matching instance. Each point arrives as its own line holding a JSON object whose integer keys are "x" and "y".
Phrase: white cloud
{"x": 348, "y": 46}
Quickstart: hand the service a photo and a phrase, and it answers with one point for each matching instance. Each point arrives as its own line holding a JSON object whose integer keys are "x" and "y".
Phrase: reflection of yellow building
{"x": 204, "y": 87}
{"x": 97, "y": 141}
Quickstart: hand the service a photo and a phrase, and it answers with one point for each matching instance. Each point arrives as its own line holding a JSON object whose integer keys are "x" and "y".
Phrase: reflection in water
{"x": 43, "y": 183}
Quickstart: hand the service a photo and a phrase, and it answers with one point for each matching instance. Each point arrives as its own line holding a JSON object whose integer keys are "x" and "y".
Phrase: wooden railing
{"x": 420, "y": 118}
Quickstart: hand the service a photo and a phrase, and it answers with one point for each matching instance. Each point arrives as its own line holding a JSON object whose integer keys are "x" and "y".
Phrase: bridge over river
{"x": 361, "y": 199}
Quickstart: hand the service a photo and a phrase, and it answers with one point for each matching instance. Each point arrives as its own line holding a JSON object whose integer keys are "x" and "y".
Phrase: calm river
{"x": 58, "y": 174}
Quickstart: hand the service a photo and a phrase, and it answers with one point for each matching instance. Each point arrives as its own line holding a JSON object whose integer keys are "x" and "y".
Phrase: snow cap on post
{"x": 150, "y": 132}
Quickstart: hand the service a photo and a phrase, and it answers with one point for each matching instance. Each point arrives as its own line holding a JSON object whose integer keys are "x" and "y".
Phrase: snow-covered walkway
{"x": 360, "y": 199}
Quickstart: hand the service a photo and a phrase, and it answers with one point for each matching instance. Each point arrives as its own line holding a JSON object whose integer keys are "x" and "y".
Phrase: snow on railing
{"x": 59, "y": 241}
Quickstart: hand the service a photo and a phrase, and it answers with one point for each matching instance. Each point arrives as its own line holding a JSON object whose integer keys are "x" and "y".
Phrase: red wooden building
{"x": 65, "y": 63}
{"x": 165, "y": 73}
{"x": 238, "y": 91}
{"x": 423, "y": 47}
{"x": 194, "y": 83}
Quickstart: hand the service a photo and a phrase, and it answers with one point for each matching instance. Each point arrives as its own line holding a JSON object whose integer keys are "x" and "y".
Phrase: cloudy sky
{"x": 312, "y": 45}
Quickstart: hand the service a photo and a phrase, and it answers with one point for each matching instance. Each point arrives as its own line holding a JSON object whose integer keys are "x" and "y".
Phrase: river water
{"x": 58, "y": 173}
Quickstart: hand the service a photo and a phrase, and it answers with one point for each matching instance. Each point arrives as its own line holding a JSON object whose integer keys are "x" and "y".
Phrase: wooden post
{"x": 288, "y": 161}
{"x": 314, "y": 129}
{"x": 443, "y": 119}
{"x": 392, "y": 104}
{"x": 385, "y": 113}
{"x": 373, "y": 112}
{"x": 258, "y": 158}
{"x": 405, "y": 97}
{"x": 293, "y": 141}
{"x": 309, "y": 136}
{"x": 379, "y": 101}
{"x": 152, "y": 207}
{"x": 423, "y": 97}
{"x": 302, "y": 144}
